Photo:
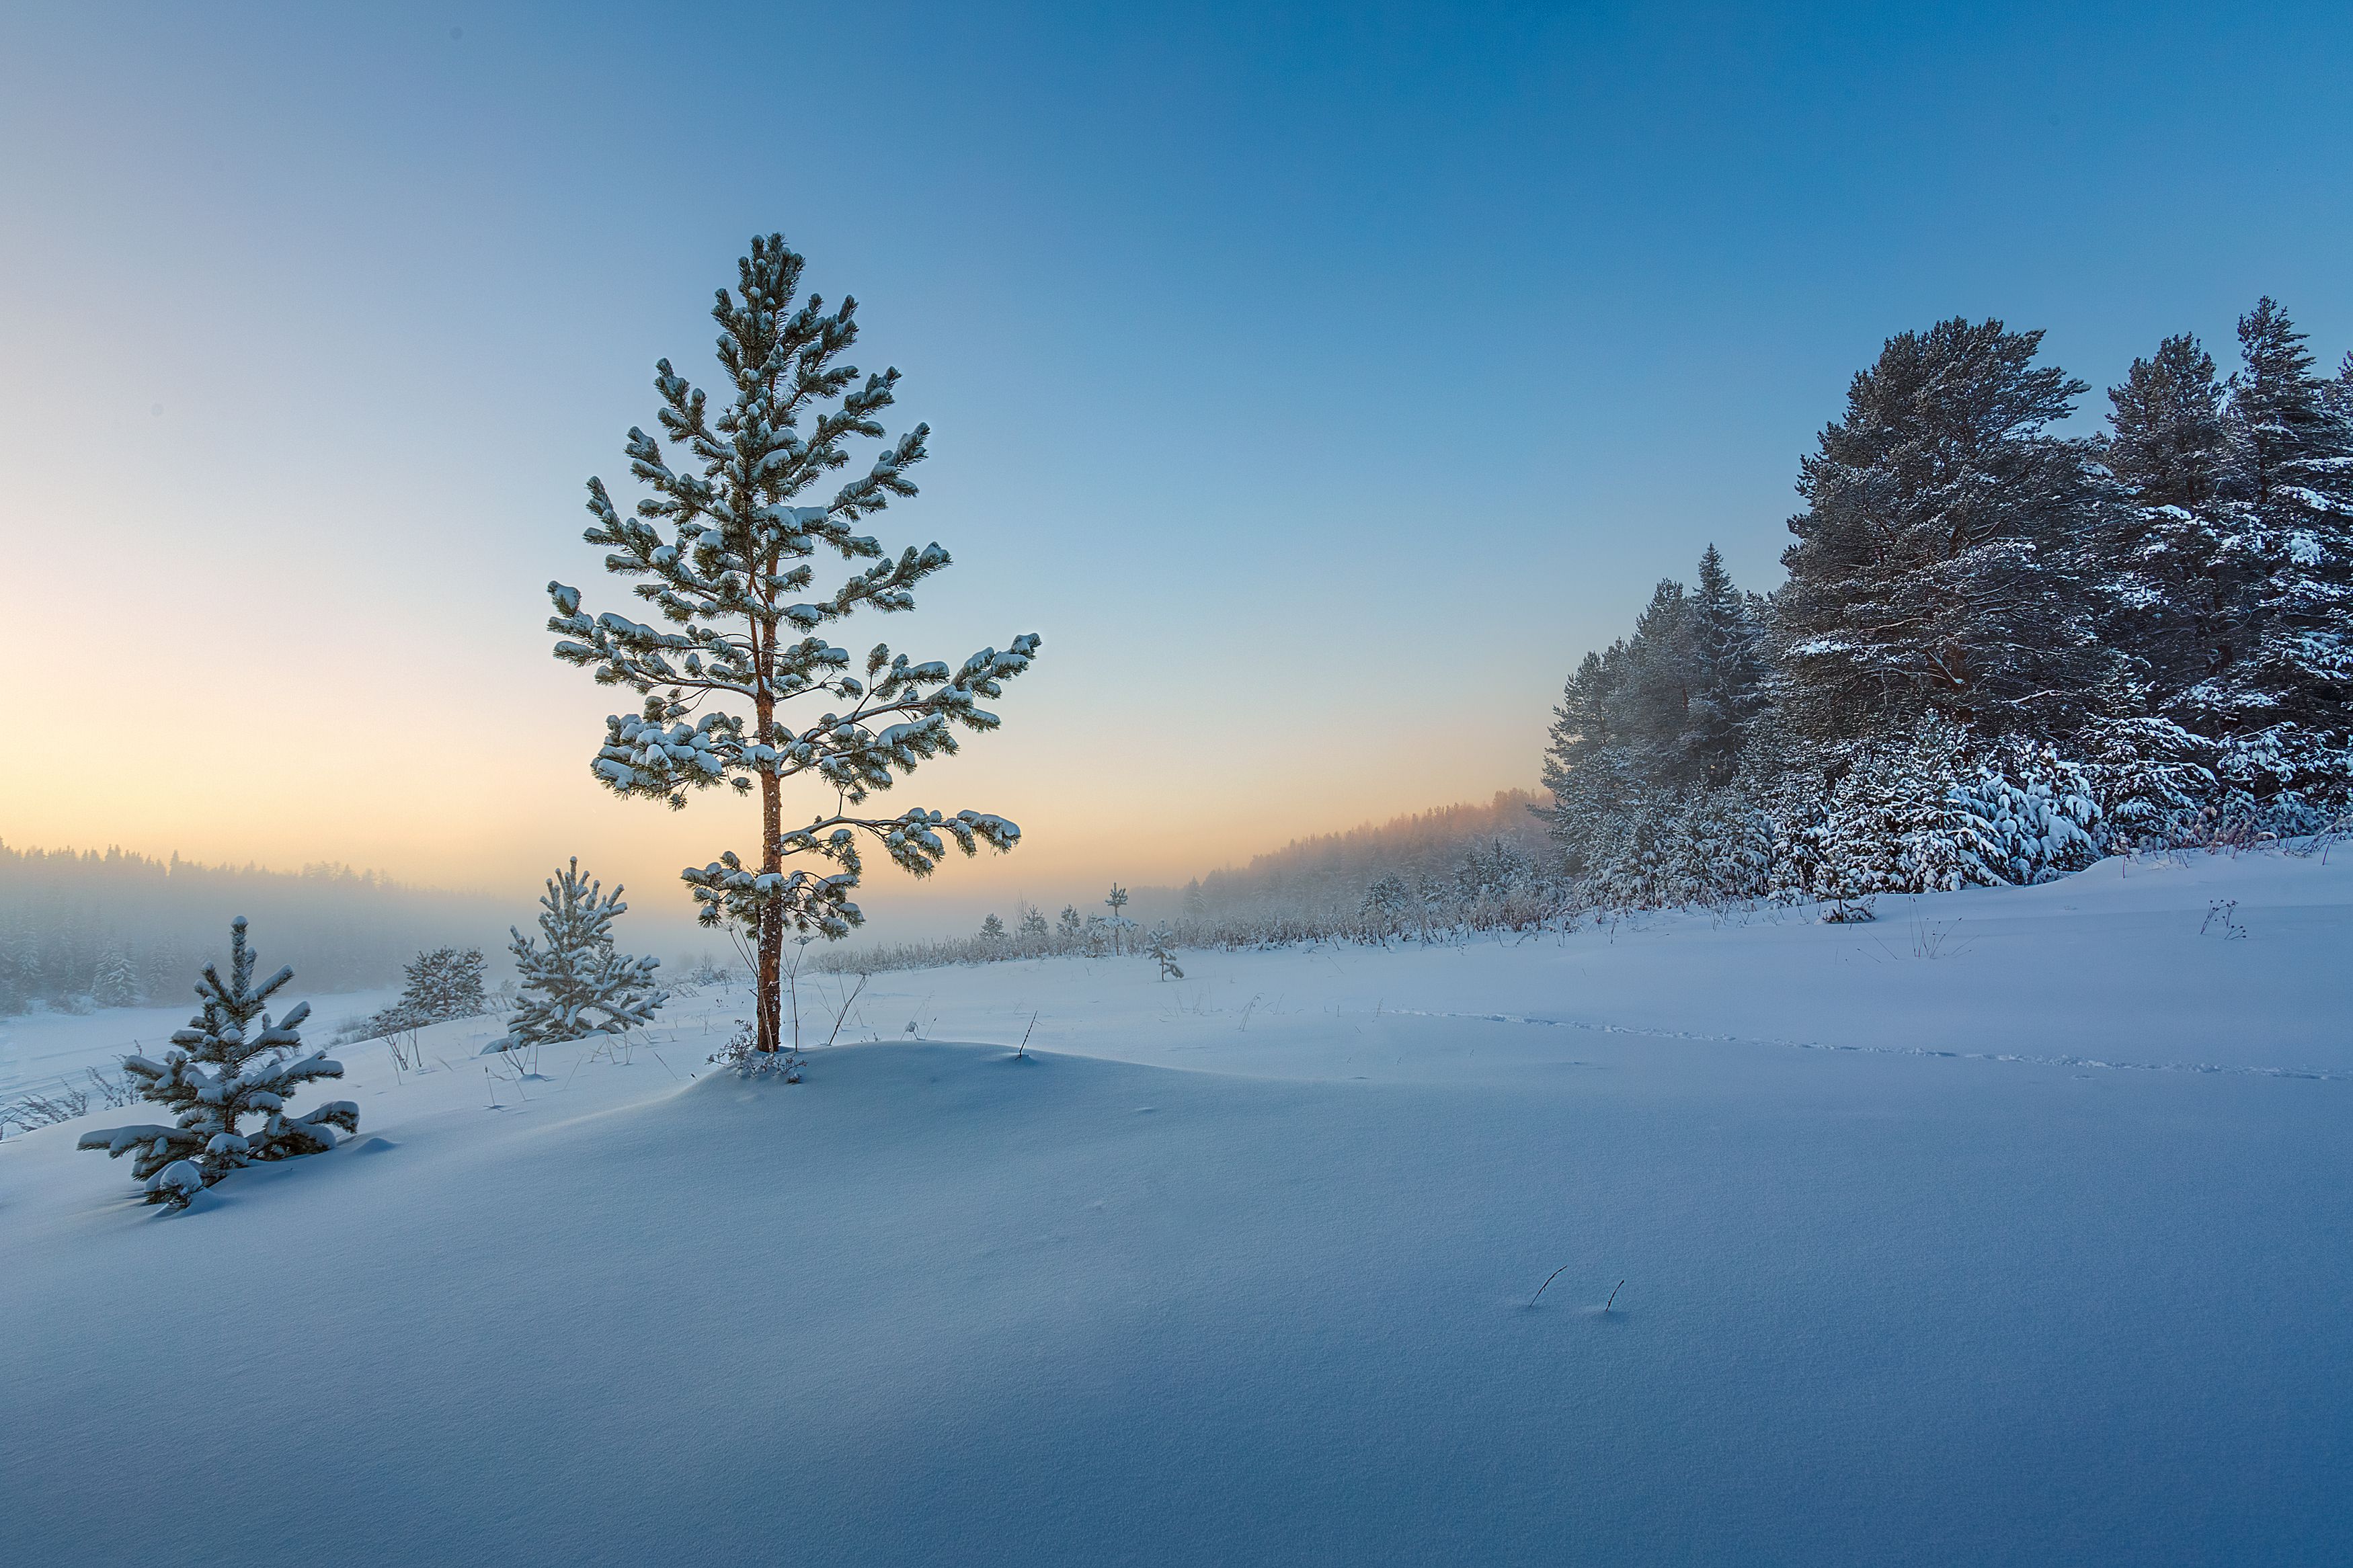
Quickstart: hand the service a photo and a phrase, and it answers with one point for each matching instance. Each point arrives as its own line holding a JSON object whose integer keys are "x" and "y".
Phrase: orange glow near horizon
{"x": 317, "y": 749}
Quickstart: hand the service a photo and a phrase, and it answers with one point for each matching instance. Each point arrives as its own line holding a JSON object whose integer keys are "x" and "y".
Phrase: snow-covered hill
{"x": 2010, "y": 1229}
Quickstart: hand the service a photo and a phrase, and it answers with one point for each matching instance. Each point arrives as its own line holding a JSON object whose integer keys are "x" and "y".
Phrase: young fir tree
{"x": 1160, "y": 946}
{"x": 579, "y": 984}
{"x": 726, "y": 555}
{"x": 1937, "y": 562}
{"x": 444, "y": 983}
{"x": 217, "y": 1075}
{"x": 1116, "y": 902}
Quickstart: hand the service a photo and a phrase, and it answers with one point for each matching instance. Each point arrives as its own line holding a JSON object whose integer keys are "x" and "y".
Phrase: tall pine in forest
{"x": 1725, "y": 673}
{"x": 1656, "y": 715}
{"x": 1937, "y": 563}
{"x": 726, "y": 556}
{"x": 2291, "y": 479}
{"x": 2176, "y": 563}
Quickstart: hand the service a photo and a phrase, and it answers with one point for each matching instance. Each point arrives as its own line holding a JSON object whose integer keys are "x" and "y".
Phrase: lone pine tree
{"x": 725, "y": 554}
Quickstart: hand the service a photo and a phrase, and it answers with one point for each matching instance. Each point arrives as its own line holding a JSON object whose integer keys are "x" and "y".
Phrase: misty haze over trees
{"x": 118, "y": 930}
{"x": 1468, "y": 867}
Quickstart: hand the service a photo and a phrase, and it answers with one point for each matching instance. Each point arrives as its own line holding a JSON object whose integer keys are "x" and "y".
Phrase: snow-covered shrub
{"x": 742, "y": 1056}
{"x": 1900, "y": 823}
{"x": 2155, "y": 782}
{"x": 215, "y": 1077}
{"x": 2039, "y": 814}
{"x": 578, "y": 984}
{"x": 446, "y": 982}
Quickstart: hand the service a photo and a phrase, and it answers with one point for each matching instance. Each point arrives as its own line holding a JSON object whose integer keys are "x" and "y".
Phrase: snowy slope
{"x": 1237, "y": 1270}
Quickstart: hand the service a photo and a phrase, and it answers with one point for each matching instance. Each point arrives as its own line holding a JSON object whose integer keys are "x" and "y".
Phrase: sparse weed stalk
{"x": 2223, "y": 921}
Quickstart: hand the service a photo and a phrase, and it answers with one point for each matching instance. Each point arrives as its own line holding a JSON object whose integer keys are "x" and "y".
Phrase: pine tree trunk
{"x": 768, "y": 1007}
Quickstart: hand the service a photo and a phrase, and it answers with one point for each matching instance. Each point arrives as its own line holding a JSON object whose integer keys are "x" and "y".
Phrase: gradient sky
{"x": 1322, "y": 381}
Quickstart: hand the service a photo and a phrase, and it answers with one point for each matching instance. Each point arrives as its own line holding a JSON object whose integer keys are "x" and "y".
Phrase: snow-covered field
{"x": 2010, "y": 1230}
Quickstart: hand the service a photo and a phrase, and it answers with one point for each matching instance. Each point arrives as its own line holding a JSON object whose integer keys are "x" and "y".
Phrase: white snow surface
{"x": 2030, "y": 1252}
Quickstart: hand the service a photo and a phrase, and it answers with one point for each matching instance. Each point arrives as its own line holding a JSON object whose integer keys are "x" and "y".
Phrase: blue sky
{"x": 1321, "y": 381}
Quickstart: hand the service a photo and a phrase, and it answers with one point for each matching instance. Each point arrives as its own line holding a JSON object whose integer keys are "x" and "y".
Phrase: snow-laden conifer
{"x": 437, "y": 985}
{"x": 116, "y": 982}
{"x": 2292, "y": 474}
{"x": 724, "y": 551}
{"x": 1937, "y": 566}
{"x": 578, "y": 984}
{"x": 230, "y": 1064}
{"x": 2038, "y": 816}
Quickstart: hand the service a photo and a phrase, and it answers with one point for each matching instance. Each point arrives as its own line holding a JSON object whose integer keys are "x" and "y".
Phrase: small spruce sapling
{"x": 216, "y": 1076}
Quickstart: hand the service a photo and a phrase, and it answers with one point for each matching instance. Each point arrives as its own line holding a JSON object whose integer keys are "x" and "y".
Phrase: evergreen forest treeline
{"x": 1999, "y": 650}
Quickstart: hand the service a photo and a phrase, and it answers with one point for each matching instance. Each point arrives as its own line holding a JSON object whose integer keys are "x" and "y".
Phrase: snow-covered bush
{"x": 2037, "y": 815}
{"x": 578, "y": 984}
{"x": 742, "y": 1056}
{"x": 215, "y": 1077}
